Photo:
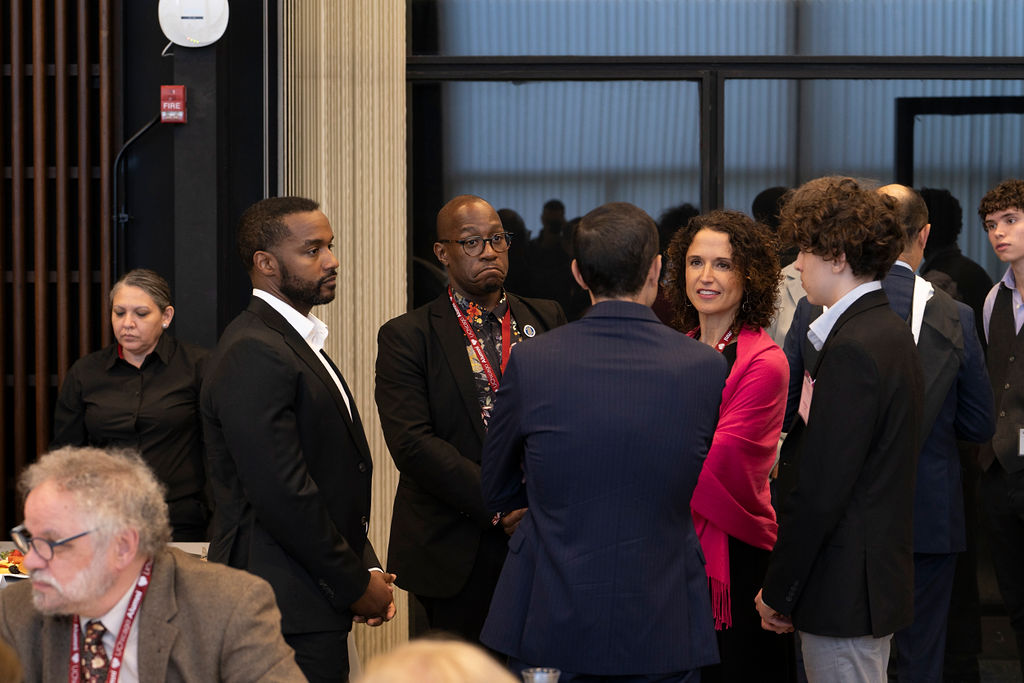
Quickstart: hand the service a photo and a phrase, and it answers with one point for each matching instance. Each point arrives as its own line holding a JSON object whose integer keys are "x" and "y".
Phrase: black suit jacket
{"x": 290, "y": 471}
{"x": 843, "y": 562}
{"x": 430, "y": 414}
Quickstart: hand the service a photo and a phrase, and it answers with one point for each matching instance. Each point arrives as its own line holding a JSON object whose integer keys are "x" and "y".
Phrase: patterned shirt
{"x": 486, "y": 325}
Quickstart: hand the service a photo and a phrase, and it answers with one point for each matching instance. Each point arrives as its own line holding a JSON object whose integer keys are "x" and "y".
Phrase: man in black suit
{"x": 289, "y": 463}
{"x": 434, "y": 396}
{"x": 957, "y": 405}
{"x": 842, "y": 570}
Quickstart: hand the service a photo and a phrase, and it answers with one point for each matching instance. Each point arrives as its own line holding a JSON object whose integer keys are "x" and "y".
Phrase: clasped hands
{"x": 377, "y": 604}
{"x": 770, "y": 619}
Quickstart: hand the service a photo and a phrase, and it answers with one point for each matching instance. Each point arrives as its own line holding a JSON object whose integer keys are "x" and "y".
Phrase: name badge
{"x": 807, "y": 391}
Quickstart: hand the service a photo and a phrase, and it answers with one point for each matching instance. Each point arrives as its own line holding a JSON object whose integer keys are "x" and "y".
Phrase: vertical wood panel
{"x": 19, "y": 360}
{"x": 37, "y": 242}
{"x": 5, "y": 230}
{"x": 84, "y": 264}
{"x": 343, "y": 132}
{"x": 106, "y": 127}
{"x": 60, "y": 58}
{"x": 40, "y": 272}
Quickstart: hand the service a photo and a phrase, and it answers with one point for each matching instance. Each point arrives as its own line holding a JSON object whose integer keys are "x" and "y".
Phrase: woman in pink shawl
{"x": 722, "y": 276}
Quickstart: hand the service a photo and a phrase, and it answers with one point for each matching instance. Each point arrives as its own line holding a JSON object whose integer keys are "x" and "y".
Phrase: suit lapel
{"x": 56, "y": 645}
{"x": 156, "y": 632}
{"x": 941, "y": 345}
{"x": 899, "y": 289}
{"x": 274, "y": 321}
{"x": 453, "y": 343}
{"x": 524, "y": 316}
{"x": 870, "y": 300}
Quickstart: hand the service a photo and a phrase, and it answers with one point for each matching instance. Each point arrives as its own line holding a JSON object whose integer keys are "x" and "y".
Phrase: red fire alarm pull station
{"x": 172, "y": 104}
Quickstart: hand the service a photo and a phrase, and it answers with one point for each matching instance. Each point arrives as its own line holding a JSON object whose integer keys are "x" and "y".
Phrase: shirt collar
{"x": 1009, "y": 280}
{"x": 818, "y": 331}
{"x": 464, "y": 304}
{"x": 113, "y": 619}
{"x": 162, "y": 351}
{"x": 310, "y": 328}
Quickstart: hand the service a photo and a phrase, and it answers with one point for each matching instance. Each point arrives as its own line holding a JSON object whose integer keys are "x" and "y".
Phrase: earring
{"x": 165, "y": 326}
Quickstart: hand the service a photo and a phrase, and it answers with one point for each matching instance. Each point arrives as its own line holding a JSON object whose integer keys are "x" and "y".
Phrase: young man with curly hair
{"x": 842, "y": 571}
{"x": 1002, "y": 480}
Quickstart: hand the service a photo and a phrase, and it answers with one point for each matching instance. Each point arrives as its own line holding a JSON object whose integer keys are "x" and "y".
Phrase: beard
{"x": 307, "y": 292}
{"x": 85, "y": 587}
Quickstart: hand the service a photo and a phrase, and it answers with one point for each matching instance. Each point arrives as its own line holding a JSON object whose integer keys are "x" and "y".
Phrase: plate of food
{"x": 12, "y": 564}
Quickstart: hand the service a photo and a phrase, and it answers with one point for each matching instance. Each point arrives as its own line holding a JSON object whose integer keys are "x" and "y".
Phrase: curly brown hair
{"x": 835, "y": 215}
{"x": 1008, "y": 194}
{"x": 754, "y": 256}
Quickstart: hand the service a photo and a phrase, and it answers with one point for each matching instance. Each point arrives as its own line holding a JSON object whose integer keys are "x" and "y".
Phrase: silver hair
{"x": 113, "y": 491}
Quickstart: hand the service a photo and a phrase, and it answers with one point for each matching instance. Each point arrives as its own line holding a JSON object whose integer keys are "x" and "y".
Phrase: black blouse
{"x": 153, "y": 409}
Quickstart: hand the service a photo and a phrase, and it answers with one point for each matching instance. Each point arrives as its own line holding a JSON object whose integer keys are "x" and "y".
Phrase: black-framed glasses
{"x": 43, "y": 547}
{"x": 474, "y": 246}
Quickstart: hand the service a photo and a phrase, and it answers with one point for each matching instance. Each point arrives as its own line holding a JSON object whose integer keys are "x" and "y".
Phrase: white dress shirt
{"x": 310, "y": 328}
{"x": 818, "y": 331}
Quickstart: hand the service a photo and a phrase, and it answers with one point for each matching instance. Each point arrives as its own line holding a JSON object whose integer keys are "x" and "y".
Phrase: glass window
{"x": 583, "y": 143}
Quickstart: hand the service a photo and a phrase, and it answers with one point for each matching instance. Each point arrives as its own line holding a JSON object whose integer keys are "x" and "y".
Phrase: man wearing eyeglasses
{"x": 107, "y": 600}
{"x": 438, "y": 368}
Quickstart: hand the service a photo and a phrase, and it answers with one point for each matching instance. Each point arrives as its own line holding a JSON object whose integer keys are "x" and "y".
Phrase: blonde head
{"x": 435, "y": 661}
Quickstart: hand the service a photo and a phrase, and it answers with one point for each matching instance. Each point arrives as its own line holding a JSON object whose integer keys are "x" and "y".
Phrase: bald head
{"x": 912, "y": 214}
{"x": 477, "y": 276}
{"x": 452, "y": 214}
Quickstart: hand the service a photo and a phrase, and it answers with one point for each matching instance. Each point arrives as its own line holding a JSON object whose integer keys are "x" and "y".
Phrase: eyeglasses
{"x": 474, "y": 246}
{"x": 43, "y": 547}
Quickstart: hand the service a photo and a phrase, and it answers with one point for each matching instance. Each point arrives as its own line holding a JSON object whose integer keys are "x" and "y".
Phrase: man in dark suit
{"x": 957, "y": 405}
{"x": 842, "y": 569}
{"x": 288, "y": 461}
{"x": 435, "y": 397}
{"x": 601, "y": 427}
{"x": 105, "y": 587}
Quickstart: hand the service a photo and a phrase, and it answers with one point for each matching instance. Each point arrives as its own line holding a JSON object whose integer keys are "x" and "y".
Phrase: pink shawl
{"x": 732, "y": 497}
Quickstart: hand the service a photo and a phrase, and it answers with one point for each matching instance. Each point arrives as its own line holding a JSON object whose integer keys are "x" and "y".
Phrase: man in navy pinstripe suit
{"x": 600, "y": 428}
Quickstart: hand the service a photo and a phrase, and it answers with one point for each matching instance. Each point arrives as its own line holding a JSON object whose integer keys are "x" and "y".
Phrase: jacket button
{"x": 362, "y": 467}
{"x": 1006, "y": 386}
{"x": 1002, "y": 413}
{"x": 1011, "y": 359}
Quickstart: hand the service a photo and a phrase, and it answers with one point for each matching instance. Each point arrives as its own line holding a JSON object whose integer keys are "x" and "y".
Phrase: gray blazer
{"x": 198, "y": 622}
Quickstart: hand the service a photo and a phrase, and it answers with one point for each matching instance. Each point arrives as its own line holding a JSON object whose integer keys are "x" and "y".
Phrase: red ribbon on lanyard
{"x": 117, "y": 656}
{"x": 722, "y": 343}
{"x": 506, "y": 341}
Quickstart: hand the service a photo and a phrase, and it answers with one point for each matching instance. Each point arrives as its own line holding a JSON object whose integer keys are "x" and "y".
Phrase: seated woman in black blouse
{"x": 142, "y": 393}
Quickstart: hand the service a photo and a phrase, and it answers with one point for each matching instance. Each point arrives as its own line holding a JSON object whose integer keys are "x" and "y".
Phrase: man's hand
{"x": 770, "y": 619}
{"x": 510, "y": 521}
{"x": 376, "y": 604}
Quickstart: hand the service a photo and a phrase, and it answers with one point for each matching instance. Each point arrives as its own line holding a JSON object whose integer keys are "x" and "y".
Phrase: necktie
{"x": 95, "y": 664}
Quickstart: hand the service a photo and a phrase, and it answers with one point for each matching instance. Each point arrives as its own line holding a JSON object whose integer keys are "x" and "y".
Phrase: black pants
{"x": 463, "y": 614}
{"x": 322, "y": 656}
{"x": 1003, "y": 496}
{"x": 747, "y": 651}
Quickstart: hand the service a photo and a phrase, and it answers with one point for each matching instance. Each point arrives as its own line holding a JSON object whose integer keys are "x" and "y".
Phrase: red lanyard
{"x": 722, "y": 343}
{"x": 117, "y": 656}
{"x": 506, "y": 341}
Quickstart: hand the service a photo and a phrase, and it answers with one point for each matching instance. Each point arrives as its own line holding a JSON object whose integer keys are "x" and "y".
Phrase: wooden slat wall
{"x": 54, "y": 213}
{"x": 343, "y": 139}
